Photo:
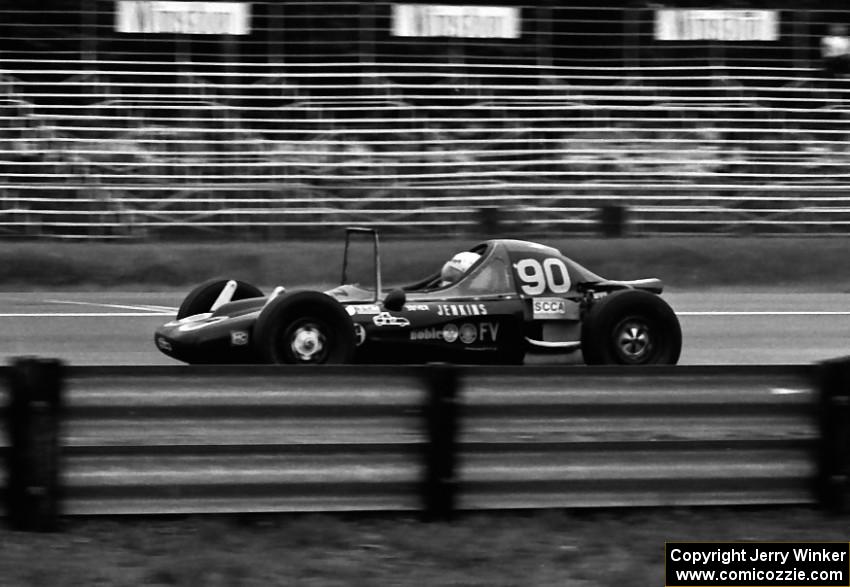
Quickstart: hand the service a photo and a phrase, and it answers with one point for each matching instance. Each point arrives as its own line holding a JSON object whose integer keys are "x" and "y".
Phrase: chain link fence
{"x": 126, "y": 119}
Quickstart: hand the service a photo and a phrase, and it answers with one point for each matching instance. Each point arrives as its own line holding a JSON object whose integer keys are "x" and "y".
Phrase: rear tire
{"x": 631, "y": 327}
{"x": 204, "y": 296}
{"x": 304, "y": 328}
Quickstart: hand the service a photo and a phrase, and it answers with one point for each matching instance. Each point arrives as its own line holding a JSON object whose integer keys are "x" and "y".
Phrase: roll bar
{"x": 377, "y": 256}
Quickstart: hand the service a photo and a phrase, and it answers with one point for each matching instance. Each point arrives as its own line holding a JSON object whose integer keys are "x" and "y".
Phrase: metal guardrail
{"x": 154, "y": 440}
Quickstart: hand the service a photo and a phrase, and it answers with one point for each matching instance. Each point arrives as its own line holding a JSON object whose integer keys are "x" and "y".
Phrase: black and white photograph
{"x": 324, "y": 293}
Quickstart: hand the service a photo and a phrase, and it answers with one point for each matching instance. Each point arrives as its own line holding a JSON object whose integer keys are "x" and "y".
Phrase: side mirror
{"x": 395, "y": 300}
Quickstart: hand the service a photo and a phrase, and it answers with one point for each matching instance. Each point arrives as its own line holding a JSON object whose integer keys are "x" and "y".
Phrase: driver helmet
{"x": 455, "y": 267}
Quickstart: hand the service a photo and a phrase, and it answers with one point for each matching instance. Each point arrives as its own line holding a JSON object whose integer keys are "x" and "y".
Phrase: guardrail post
{"x": 833, "y": 476}
{"x": 440, "y": 484}
{"x": 33, "y": 488}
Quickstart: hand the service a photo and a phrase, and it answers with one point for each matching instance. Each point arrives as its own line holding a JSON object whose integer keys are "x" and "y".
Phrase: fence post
{"x": 833, "y": 458}
{"x": 613, "y": 219}
{"x": 33, "y": 420}
{"x": 490, "y": 221}
{"x": 441, "y": 421}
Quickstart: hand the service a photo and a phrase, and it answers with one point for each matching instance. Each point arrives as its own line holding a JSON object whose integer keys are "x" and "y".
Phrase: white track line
{"x": 765, "y": 313}
{"x": 151, "y": 310}
{"x": 171, "y": 312}
{"x": 142, "y": 308}
{"x": 160, "y": 309}
{"x": 83, "y": 314}
{"x": 788, "y": 391}
{"x": 135, "y": 311}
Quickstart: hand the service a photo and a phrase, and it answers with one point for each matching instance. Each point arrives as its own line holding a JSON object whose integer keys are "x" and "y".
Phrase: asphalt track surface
{"x": 722, "y": 327}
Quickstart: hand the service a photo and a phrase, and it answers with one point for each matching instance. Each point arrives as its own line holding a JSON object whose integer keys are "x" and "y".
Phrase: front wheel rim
{"x": 308, "y": 343}
{"x": 633, "y": 340}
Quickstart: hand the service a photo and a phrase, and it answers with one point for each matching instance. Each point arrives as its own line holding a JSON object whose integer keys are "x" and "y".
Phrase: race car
{"x": 491, "y": 304}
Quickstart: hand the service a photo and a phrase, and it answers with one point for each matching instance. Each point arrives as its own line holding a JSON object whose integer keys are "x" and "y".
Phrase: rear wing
{"x": 376, "y": 256}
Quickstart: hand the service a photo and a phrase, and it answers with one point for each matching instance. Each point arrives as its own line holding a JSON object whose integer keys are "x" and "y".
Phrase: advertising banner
{"x": 716, "y": 25}
{"x": 444, "y": 20}
{"x": 183, "y": 18}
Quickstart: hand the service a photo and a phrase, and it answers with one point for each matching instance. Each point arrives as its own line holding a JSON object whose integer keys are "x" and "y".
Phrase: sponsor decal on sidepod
{"x": 450, "y": 332}
{"x": 387, "y": 319}
{"x": 467, "y": 333}
{"x": 549, "y": 308}
{"x": 353, "y": 309}
{"x": 461, "y": 310}
{"x": 359, "y": 334}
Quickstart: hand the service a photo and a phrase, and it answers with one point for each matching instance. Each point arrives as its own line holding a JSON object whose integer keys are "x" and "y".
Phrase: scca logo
{"x": 550, "y": 306}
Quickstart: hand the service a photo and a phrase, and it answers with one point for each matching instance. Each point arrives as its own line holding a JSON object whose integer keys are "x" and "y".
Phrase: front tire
{"x": 304, "y": 328}
{"x": 631, "y": 327}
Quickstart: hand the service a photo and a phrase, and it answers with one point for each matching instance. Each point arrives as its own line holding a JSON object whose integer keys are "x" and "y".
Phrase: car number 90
{"x": 537, "y": 277}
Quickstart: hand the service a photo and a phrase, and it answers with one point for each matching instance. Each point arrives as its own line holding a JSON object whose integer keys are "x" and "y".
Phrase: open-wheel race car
{"x": 491, "y": 304}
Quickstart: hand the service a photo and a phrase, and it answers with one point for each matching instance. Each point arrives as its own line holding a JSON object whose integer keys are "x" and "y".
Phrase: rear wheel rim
{"x": 633, "y": 341}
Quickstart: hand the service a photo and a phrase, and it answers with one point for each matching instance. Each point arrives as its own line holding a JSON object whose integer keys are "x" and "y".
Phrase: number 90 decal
{"x": 537, "y": 277}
